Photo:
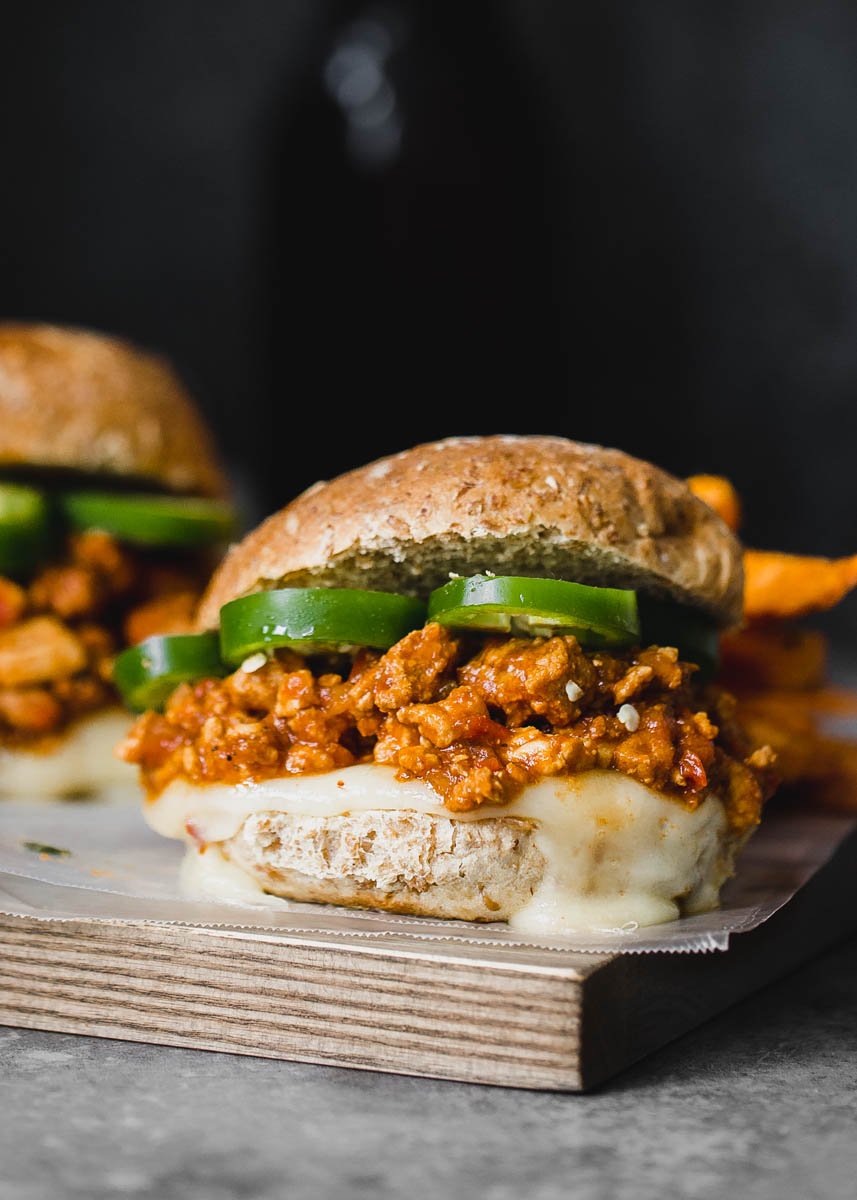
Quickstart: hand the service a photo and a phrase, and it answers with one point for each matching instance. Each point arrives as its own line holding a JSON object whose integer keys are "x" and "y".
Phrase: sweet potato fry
{"x": 809, "y": 757}
{"x": 774, "y": 655}
{"x": 719, "y": 494}
{"x": 788, "y": 585}
{"x": 778, "y": 585}
{"x": 777, "y": 670}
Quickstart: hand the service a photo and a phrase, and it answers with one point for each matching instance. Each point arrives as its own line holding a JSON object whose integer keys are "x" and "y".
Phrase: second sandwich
{"x": 111, "y": 503}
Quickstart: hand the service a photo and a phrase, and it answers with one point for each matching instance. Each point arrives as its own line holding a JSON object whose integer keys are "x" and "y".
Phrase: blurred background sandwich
{"x": 112, "y": 507}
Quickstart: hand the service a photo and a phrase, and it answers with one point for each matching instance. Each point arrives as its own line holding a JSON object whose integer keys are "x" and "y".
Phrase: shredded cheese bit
{"x": 573, "y": 690}
{"x": 552, "y": 483}
{"x": 454, "y": 575}
{"x": 629, "y": 717}
{"x": 254, "y": 662}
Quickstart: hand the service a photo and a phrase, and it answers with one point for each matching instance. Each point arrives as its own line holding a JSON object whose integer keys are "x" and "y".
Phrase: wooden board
{"x": 551, "y": 1020}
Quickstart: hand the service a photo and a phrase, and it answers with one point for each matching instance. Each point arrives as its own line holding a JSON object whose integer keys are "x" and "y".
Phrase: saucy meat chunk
{"x": 59, "y": 635}
{"x": 477, "y": 721}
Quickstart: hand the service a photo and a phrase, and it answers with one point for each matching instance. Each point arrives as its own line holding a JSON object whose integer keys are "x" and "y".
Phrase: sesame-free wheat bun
{"x": 75, "y": 400}
{"x": 538, "y": 506}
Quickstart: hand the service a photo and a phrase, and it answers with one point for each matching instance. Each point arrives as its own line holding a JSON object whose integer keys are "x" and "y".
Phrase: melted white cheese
{"x": 206, "y": 875}
{"x": 616, "y": 851}
{"x": 82, "y": 761}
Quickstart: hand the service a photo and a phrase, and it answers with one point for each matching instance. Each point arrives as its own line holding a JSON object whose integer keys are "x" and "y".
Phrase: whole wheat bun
{"x": 401, "y": 861}
{"x": 75, "y": 400}
{"x": 538, "y": 506}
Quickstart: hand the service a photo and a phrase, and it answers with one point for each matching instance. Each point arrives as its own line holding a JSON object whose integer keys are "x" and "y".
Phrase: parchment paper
{"x": 114, "y": 868}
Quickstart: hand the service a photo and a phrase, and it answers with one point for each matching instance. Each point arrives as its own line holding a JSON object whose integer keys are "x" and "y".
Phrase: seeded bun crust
{"x": 512, "y": 505}
{"x": 80, "y": 401}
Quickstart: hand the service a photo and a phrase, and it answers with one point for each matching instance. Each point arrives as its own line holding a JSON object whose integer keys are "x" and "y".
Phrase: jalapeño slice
{"x": 146, "y": 674}
{"x": 596, "y": 616}
{"x": 695, "y": 636}
{"x": 151, "y": 520}
{"x": 313, "y": 620}
{"x": 24, "y": 526}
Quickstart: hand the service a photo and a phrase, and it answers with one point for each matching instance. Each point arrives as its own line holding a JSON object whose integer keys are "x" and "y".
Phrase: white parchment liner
{"x": 117, "y": 869}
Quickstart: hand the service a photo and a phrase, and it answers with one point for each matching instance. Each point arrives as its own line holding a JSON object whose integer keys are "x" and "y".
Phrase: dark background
{"x": 355, "y": 225}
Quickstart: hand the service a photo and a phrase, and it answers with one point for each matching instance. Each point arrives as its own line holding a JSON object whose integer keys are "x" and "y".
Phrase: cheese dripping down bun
{"x": 594, "y": 850}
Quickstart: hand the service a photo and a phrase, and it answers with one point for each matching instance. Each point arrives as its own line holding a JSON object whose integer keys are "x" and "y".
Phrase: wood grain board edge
{"x": 566, "y": 1024}
{"x": 410, "y": 1014}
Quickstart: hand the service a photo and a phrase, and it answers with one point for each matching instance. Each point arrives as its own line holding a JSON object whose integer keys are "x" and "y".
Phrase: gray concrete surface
{"x": 758, "y": 1104}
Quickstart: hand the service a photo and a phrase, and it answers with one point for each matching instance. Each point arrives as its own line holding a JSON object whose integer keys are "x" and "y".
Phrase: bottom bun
{"x": 593, "y": 851}
{"x": 405, "y": 862}
{"x": 78, "y": 763}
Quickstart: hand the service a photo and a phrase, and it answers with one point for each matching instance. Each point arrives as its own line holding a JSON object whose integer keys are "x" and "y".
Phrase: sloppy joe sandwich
{"x": 111, "y": 500}
{"x": 472, "y": 681}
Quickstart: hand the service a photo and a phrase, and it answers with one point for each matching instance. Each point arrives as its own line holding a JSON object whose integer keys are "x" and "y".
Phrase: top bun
{"x": 512, "y": 505}
{"x": 79, "y": 401}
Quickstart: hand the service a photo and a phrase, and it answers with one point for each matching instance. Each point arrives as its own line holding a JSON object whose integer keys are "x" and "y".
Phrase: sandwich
{"x": 469, "y": 681}
{"x": 112, "y": 502}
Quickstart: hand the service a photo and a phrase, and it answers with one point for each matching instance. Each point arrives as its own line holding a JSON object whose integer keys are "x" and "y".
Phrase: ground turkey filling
{"x": 479, "y": 720}
{"x": 59, "y": 634}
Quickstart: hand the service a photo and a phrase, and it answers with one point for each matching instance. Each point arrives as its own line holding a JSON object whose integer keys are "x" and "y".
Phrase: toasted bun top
{"x": 79, "y": 401}
{"x": 512, "y": 505}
